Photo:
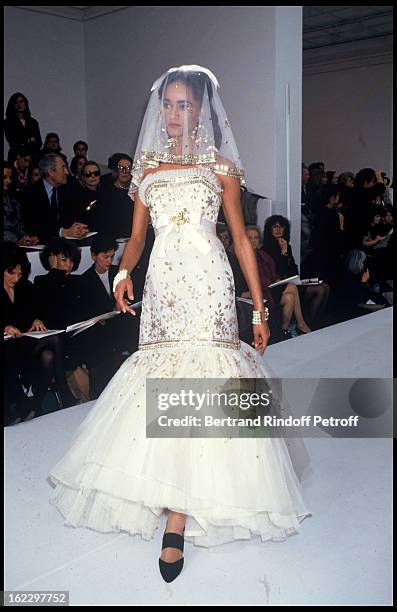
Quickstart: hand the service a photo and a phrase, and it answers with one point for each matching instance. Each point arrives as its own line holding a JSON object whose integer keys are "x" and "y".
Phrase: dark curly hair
{"x": 60, "y": 246}
{"x": 196, "y": 81}
{"x": 268, "y": 238}
{"x": 14, "y": 256}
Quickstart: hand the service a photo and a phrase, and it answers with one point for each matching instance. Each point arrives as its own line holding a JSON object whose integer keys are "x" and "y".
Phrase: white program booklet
{"x": 291, "y": 279}
{"x": 36, "y": 334}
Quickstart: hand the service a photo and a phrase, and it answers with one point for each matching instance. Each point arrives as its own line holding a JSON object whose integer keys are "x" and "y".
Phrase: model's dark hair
{"x": 13, "y": 255}
{"x": 11, "y": 113}
{"x": 268, "y": 238}
{"x": 364, "y": 175}
{"x": 196, "y": 81}
{"x": 60, "y": 246}
{"x": 102, "y": 243}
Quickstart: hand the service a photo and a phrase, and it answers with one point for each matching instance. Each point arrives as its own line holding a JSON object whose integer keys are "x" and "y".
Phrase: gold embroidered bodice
{"x": 189, "y": 295}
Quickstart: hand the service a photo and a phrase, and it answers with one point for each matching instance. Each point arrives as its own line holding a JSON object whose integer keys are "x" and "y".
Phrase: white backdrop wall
{"x": 347, "y": 118}
{"x": 44, "y": 59}
{"x": 93, "y": 79}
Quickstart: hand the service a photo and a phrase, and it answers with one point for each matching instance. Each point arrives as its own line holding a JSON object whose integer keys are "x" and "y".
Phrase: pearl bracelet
{"x": 259, "y": 316}
{"x": 121, "y": 275}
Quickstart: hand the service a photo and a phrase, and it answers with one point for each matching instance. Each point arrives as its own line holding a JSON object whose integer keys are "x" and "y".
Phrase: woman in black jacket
{"x": 20, "y": 128}
{"x": 28, "y": 360}
{"x": 276, "y": 237}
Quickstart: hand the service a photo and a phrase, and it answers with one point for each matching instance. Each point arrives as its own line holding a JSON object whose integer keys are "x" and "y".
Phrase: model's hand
{"x": 122, "y": 287}
{"x": 12, "y": 331}
{"x": 261, "y": 336}
{"x": 38, "y": 325}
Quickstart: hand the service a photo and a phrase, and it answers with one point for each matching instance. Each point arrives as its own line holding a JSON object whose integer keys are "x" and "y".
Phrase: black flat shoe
{"x": 170, "y": 571}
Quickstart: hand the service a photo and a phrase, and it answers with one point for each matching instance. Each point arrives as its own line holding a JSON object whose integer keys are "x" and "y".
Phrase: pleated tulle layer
{"x": 112, "y": 478}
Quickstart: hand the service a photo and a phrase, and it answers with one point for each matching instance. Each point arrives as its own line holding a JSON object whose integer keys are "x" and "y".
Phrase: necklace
{"x": 119, "y": 186}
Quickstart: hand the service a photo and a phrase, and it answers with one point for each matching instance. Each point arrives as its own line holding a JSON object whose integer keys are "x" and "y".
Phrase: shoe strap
{"x": 173, "y": 540}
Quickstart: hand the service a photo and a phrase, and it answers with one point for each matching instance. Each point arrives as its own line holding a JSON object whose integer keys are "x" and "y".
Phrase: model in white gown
{"x": 113, "y": 478}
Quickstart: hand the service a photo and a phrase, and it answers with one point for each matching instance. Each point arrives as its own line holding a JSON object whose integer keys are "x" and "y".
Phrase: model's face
{"x": 349, "y": 182}
{"x": 389, "y": 218}
{"x": 53, "y": 143}
{"x": 12, "y": 277}
{"x": 20, "y": 105}
{"x": 224, "y": 237}
{"x": 91, "y": 176}
{"x": 124, "y": 171}
{"x": 334, "y": 180}
{"x": 81, "y": 150}
{"x": 277, "y": 230}
{"x": 177, "y": 103}
{"x": 35, "y": 175}
{"x": 376, "y": 220}
{"x": 7, "y": 180}
{"x": 253, "y": 237}
{"x": 24, "y": 161}
{"x": 60, "y": 174}
{"x": 305, "y": 175}
{"x": 103, "y": 260}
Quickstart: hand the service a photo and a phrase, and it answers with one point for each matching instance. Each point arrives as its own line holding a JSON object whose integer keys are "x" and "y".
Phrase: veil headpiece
{"x": 185, "y": 124}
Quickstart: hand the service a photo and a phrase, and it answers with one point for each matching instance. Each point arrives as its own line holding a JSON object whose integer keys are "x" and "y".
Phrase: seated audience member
{"x": 88, "y": 196}
{"x": 276, "y": 243}
{"x": 224, "y": 235}
{"x": 376, "y": 246}
{"x": 241, "y": 289}
{"x": 48, "y": 210}
{"x": 114, "y": 210}
{"x": 367, "y": 186}
{"x": 59, "y": 291}
{"x": 285, "y": 295}
{"x": 359, "y": 288}
{"x": 104, "y": 343}
{"x": 51, "y": 144}
{"x": 20, "y": 128}
{"x": 21, "y": 166}
{"x": 80, "y": 148}
{"x": 325, "y": 259}
{"x": 13, "y": 227}
{"x": 33, "y": 362}
{"x": 76, "y": 166}
{"x": 34, "y": 174}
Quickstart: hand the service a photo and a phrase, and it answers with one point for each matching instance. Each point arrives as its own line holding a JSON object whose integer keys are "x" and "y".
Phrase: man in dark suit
{"x": 47, "y": 208}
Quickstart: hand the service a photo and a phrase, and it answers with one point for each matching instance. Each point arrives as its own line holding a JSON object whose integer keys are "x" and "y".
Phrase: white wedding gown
{"x": 113, "y": 478}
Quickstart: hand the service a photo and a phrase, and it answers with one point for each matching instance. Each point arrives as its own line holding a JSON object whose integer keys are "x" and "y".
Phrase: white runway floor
{"x": 341, "y": 557}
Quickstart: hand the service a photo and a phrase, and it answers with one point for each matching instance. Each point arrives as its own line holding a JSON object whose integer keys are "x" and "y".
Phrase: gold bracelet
{"x": 260, "y": 316}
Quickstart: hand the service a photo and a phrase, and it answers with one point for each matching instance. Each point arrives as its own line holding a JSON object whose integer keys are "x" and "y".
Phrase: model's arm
{"x": 132, "y": 253}
{"x": 244, "y": 252}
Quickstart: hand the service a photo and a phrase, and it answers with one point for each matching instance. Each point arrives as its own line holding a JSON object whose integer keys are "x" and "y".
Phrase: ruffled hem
{"x": 114, "y": 479}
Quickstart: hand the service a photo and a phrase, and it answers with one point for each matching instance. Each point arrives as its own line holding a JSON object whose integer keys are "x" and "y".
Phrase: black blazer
{"x": 22, "y": 312}
{"x": 59, "y": 298}
{"x": 17, "y": 135}
{"x": 95, "y": 300}
{"x": 37, "y": 216}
